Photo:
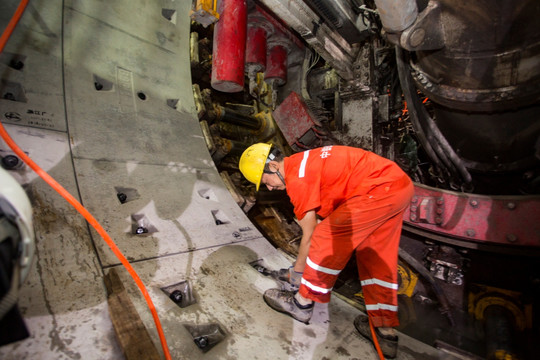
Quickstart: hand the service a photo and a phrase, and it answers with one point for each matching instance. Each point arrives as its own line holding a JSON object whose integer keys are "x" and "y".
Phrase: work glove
{"x": 290, "y": 276}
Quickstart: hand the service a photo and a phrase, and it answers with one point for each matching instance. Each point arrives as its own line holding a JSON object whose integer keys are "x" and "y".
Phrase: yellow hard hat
{"x": 252, "y": 162}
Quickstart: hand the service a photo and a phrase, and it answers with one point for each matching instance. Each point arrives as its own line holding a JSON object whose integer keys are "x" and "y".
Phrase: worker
{"x": 346, "y": 200}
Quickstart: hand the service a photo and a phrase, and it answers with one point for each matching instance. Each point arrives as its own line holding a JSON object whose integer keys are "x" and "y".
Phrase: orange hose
{"x": 76, "y": 204}
{"x": 375, "y": 340}
{"x": 12, "y": 23}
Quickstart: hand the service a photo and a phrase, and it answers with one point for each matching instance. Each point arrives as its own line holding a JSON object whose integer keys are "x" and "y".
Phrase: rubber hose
{"x": 405, "y": 80}
{"x": 443, "y": 147}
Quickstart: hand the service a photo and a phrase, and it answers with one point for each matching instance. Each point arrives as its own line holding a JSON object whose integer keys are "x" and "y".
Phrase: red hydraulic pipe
{"x": 276, "y": 65}
{"x": 229, "y": 46}
{"x": 256, "y": 49}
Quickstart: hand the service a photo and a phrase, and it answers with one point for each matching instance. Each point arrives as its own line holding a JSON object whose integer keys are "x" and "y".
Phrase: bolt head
{"x": 417, "y": 37}
{"x": 122, "y": 197}
{"x": 201, "y": 342}
{"x": 10, "y": 162}
{"x": 470, "y": 232}
{"x": 141, "y": 230}
{"x": 511, "y": 238}
{"x": 176, "y": 296}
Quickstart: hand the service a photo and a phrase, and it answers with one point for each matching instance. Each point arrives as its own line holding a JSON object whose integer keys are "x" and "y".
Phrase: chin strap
{"x": 280, "y": 177}
{"x": 277, "y": 173}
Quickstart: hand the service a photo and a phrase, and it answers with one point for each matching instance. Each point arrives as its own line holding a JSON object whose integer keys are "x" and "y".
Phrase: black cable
{"x": 427, "y": 131}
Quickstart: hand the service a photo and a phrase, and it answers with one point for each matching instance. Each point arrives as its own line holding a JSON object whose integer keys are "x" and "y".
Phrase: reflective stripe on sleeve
{"x": 382, "y": 307}
{"x": 315, "y": 288}
{"x": 323, "y": 269}
{"x": 380, "y": 283}
{"x": 302, "y": 170}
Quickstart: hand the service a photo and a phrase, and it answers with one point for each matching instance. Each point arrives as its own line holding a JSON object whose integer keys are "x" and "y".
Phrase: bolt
{"x": 201, "y": 342}
{"x": 439, "y": 211}
{"x": 9, "y": 96}
{"x": 10, "y": 162}
{"x": 413, "y": 217}
{"x": 176, "y": 296}
{"x": 474, "y": 203}
{"x": 511, "y": 206}
{"x": 141, "y": 230}
{"x": 122, "y": 197}
{"x": 511, "y": 238}
{"x": 413, "y": 208}
{"x": 440, "y": 201}
{"x": 470, "y": 232}
{"x": 414, "y": 200}
{"x": 16, "y": 64}
{"x": 438, "y": 220}
{"x": 417, "y": 37}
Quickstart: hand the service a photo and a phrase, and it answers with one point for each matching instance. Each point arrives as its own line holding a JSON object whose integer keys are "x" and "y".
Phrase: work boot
{"x": 388, "y": 343}
{"x": 284, "y": 301}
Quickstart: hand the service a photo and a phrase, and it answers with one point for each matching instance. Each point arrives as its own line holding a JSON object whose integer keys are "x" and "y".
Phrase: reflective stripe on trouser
{"x": 371, "y": 225}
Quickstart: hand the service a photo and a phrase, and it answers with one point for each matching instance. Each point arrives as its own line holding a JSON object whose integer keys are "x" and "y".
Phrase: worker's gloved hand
{"x": 290, "y": 276}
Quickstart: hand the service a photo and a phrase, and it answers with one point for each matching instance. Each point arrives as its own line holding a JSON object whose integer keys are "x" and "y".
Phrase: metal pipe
{"x": 276, "y": 64}
{"x": 229, "y": 46}
{"x": 397, "y": 16}
{"x": 237, "y": 118}
{"x": 499, "y": 327}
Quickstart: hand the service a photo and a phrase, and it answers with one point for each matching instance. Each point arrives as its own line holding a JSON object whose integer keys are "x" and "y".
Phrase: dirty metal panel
{"x": 229, "y": 293}
{"x": 293, "y": 118}
{"x": 357, "y": 120}
{"x": 151, "y": 22}
{"x": 62, "y": 300}
{"x": 31, "y": 88}
{"x": 169, "y": 209}
{"x": 124, "y": 91}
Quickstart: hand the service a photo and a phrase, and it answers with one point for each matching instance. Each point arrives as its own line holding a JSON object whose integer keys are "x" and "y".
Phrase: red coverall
{"x": 361, "y": 198}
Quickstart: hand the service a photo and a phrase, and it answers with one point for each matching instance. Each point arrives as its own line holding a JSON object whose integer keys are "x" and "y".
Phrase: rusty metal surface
{"x": 293, "y": 118}
{"x": 488, "y": 219}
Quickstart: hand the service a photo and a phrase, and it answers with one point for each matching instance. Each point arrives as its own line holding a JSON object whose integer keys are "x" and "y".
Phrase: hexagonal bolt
{"x": 176, "y": 296}
{"x": 122, "y": 197}
{"x": 511, "y": 238}
{"x": 438, "y": 220}
{"x": 11, "y": 162}
{"x": 413, "y": 217}
{"x": 201, "y": 341}
{"x": 141, "y": 230}
{"x": 470, "y": 232}
{"x": 511, "y": 205}
{"x": 440, "y": 201}
{"x": 473, "y": 202}
{"x": 417, "y": 37}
